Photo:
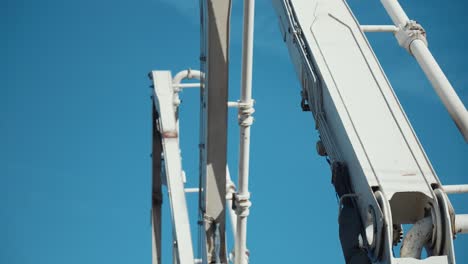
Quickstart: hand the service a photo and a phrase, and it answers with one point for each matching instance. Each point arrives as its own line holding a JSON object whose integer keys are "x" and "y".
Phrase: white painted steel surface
{"x": 461, "y": 224}
{"x": 186, "y": 74}
{"x": 233, "y": 104}
{"x": 418, "y": 48}
{"x": 177, "y": 84}
{"x": 191, "y": 190}
{"x": 453, "y": 189}
{"x": 367, "y": 121}
{"x": 359, "y": 118}
{"x": 396, "y": 12}
{"x": 213, "y": 127}
{"x": 163, "y": 98}
{"x": 188, "y": 85}
{"x": 245, "y": 121}
{"x": 362, "y": 118}
{"x": 379, "y": 28}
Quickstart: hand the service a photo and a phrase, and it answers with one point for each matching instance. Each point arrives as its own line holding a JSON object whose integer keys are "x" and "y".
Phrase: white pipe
{"x": 176, "y": 85}
{"x": 418, "y": 48}
{"x": 191, "y": 190}
{"x": 233, "y": 104}
{"x": 441, "y": 85}
{"x": 379, "y": 28}
{"x": 187, "y": 85}
{"x": 396, "y": 12}
{"x": 245, "y": 122}
{"x": 186, "y": 74}
{"x": 416, "y": 238}
{"x": 452, "y": 189}
{"x": 461, "y": 223}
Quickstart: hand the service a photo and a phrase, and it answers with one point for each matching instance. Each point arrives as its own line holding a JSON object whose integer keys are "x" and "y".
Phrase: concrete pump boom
{"x": 379, "y": 168}
{"x": 382, "y": 176}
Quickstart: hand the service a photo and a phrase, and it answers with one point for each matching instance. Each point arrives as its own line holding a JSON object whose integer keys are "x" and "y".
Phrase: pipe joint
{"x": 410, "y": 32}
{"x": 186, "y": 74}
{"x": 242, "y": 204}
{"x": 245, "y": 113}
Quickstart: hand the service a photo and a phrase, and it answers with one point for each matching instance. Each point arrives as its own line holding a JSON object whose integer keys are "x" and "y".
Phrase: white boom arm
{"x": 379, "y": 168}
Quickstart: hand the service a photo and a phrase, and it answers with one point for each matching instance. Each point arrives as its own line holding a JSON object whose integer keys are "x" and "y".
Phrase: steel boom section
{"x": 360, "y": 119}
{"x": 213, "y": 152}
{"x": 164, "y": 101}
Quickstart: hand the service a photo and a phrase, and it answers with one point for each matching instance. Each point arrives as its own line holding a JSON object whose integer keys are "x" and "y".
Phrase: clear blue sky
{"x": 75, "y": 127}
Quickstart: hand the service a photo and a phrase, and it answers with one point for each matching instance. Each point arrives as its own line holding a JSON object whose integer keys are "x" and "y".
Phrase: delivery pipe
{"x": 461, "y": 224}
{"x": 242, "y": 201}
{"x": 416, "y": 238}
{"x": 417, "y": 46}
{"x": 455, "y": 189}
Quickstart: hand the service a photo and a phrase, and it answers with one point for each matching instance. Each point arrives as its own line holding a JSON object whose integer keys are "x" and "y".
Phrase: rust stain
{"x": 170, "y": 134}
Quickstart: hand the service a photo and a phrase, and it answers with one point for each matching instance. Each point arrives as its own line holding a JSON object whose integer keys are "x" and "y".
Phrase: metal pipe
{"x": 418, "y": 48}
{"x": 186, "y": 74}
{"x": 416, "y": 238}
{"x": 395, "y": 11}
{"x": 176, "y": 83}
{"x": 233, "y": 104}
{"x": 441, "y": 85}
{"x": 379, "y": 28}
{"x": 191, "y": 190}
{"x": 461, "y": 224}
{"x": 187, "y": 85}
{"x": 245, "y": 120}
{"x": 176, "y": 86}
{"x": 453, "y": 189}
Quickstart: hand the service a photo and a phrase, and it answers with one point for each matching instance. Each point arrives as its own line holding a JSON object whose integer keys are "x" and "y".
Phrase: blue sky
{"x": 75, "y": 127}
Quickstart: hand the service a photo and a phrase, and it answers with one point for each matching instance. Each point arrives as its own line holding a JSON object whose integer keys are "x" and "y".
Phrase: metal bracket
{"x": 168, "y": 127}
{"x": 245, "y": 113}
{"x": 409, "y": 33}
{"x": 242, "y": 204}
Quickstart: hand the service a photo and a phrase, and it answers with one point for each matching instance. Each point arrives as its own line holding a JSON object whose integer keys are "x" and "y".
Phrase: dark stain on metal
{"x": 170, "y": 134}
